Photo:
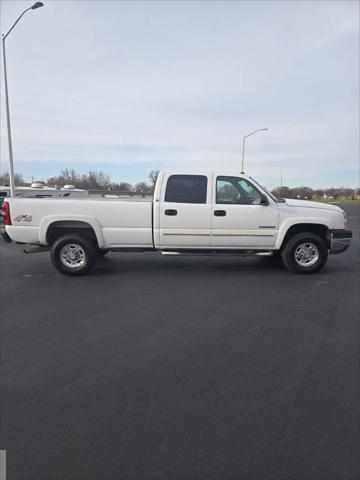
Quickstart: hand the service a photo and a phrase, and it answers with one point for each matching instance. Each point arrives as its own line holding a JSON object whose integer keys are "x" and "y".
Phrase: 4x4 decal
{"x": 24, "y": 217}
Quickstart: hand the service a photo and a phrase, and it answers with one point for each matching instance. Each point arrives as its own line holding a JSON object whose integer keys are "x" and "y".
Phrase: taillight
{"x": 6, "y": 213}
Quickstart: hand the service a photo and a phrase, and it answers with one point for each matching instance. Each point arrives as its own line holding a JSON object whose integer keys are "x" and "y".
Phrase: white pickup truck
{"x": 205, "y": 213}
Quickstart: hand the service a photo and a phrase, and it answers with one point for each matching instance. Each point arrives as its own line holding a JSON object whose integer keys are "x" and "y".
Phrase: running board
{"x": 219, "y": 253}
{"x": 131, "y": 249}
{"x": 35, "y": 249}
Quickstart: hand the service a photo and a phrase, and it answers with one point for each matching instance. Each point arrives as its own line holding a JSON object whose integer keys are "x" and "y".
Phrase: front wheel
{"x": 305, "y": 253}
{"x": 73, "y": 255}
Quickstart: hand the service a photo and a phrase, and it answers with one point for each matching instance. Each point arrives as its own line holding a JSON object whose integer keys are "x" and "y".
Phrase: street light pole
{"x": 11, "y": 158}
{"x": 243, "y": 149}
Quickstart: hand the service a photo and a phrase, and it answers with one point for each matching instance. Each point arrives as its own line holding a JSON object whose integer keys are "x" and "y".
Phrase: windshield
{"x": 277, "y": 200}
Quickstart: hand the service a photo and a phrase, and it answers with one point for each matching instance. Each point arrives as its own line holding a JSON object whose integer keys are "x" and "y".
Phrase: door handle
{"x": 219, "y": 213}
{"x": 172, "y": 213}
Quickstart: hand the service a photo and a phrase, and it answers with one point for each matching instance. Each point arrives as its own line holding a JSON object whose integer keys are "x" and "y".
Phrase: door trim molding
{"x": 243, "y": 233}
{"x": 186, "y": 231}
{"x": 218, "y": 232}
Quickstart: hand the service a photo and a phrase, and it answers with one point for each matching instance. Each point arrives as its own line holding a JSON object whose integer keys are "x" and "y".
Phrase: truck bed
{"x": 119, "y": 222}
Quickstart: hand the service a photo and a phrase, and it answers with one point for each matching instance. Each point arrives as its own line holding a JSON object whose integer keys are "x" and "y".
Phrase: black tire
{"x": 84, "y": 256}
{"x": 103, "y": 251}
{"x": 297, "y": 249}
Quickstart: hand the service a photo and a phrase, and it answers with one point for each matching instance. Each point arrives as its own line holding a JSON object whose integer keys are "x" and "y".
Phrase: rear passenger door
{"x": 185, "y": 211}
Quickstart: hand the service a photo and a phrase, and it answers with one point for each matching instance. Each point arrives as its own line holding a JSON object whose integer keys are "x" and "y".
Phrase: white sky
{"x": 127, "y": 87}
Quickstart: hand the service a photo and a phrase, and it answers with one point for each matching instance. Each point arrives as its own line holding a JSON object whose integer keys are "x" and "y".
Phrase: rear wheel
{"x": 73, "y": 255}
{"x": 305, "y": 253}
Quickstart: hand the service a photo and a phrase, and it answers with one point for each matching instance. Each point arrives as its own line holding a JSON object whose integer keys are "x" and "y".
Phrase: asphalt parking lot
{"x": 159, "y": 367}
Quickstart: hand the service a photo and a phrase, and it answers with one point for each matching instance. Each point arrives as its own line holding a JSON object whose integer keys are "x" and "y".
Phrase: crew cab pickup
{"x": 198, "y": 212}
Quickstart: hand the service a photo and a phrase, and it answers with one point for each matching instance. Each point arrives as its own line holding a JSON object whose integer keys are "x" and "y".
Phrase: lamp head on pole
{"x": 37, "y": 5}
{"x": 244, "y": 138}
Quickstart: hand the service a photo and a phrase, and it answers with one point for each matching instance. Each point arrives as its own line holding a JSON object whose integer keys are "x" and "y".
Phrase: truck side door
{"x": 184, "y": 212}
{"x": 239, "y": 220}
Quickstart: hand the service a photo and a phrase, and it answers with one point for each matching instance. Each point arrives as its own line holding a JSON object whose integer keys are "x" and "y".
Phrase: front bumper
{"x": 340, "y": 240}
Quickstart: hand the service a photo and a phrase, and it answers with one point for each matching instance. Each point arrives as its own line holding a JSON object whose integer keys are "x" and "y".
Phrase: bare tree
{"x": 93, "y": 180}
{"x": 153, "y": 175}
{"x": 121, "y": 187}
{"x": 99, "y": 180}
{"x": 5, "y": 180}
{"x": 66, "y": 177}
{"x": 319, "y": 193}
{"x": 143, "y": 187}
{"x": 282, "y": 192}
{"x": 96, "y": 180}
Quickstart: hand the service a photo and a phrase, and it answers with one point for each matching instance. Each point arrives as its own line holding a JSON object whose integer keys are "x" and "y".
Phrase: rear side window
{"x": 186, "y": 189}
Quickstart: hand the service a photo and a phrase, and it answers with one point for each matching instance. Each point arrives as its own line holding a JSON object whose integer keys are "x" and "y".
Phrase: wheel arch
{"x": 52, "y": 228}
{"x": 319, "y": 228}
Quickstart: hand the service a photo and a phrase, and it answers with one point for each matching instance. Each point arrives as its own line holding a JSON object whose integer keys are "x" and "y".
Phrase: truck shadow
{"x": 150, "y": 263}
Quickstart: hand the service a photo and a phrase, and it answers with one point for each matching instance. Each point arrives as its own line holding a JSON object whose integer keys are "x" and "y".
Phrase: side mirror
{"x": 264, "y": 200}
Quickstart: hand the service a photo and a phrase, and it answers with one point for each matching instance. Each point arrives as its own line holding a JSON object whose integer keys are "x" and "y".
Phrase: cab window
{"x": 236, "y": 190}
{"x": 186, "y": 189}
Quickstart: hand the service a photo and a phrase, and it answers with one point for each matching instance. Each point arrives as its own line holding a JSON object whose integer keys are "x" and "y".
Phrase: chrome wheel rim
{"x": 72, "y": 255}
{"x": 306, "y": 254}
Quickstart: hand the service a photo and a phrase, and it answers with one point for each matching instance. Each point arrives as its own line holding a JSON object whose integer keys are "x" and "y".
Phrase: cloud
{"x": 145, "y": 84}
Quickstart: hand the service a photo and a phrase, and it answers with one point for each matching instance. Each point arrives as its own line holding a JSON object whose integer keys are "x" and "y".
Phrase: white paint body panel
{"x": 116, "y": 223}
{"x": 241, "y": 226}
{"x": 297, "y": 211}
{"x": 143, "y": 223}
{"x": 191, "y": 227}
